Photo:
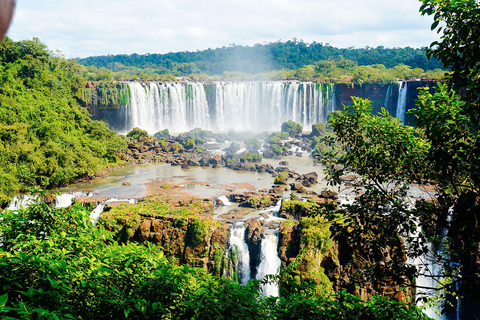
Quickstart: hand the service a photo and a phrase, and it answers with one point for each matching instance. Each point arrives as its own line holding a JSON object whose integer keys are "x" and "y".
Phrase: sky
{"x": 99, "y": 27}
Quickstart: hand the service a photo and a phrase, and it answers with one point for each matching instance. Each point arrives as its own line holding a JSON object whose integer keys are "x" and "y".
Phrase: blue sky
{"x": 99, "y": 27}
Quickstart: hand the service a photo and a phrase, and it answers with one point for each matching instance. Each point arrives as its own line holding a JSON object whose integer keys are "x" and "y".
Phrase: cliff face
{"x": 381, "y": 95}
{"x": 309, "y": 251}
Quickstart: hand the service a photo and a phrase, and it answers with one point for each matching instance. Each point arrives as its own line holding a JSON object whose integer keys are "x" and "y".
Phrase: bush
{"x": 251, "y": 157}
{"x": 138, "y": 134}
{"x": 281, "y": 178}
{"x": 292, "y": 128}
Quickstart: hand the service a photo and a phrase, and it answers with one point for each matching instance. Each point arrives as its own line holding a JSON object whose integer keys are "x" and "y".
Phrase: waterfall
{"x": 19, "y": 202}
{"x": 269, "y": 263}
{"x": 239, "y": 250}
{"x": 402, "y": 100}
{"x": 390, "y": 104}
{"x": 224, "y": 200}
{"x": 95, "y": 214}
{"x": 65, "y": 199}
{"x": 225, "y": 106}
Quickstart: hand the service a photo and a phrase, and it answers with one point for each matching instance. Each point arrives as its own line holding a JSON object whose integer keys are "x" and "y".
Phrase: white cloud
{"x": 96, "y": 27}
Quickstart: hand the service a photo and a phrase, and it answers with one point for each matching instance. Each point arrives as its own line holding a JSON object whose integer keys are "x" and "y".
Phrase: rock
{"x": 192, "y": 163}
{"x": 329, "y": 195}
{"x": 185, "y": 165}
{"x": 215, "y": 160}
{"x": 296, "y": 186}
{"x": 126, "y": 184}
{"x": 348, "y": 178}
{"x": 264, "y": 215}
{"x": 253, "y": 236}
{"x": 283, "y": 163}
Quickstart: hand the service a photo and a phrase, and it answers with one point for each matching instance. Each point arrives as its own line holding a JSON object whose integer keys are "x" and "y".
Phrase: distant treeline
{"x": 260, "y": 58}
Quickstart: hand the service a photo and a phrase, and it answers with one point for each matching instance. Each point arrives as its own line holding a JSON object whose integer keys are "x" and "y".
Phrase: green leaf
{"x": 3, "y": 300}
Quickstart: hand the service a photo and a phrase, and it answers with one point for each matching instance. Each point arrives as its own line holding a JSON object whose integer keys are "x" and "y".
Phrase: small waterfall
{"x": 225, "y": 201}
{"x": 23, "y": 201}
{"x": 65, "y": 199}
{"x": 239, "y": 250}
{"x": 390, "y": 104}
{"x": 269, "y": 263}
{"x": 95, "y": 214}
{"x": 402, "y": 100}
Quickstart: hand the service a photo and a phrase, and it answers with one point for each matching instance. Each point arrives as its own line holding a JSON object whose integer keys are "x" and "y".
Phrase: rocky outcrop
{"x": 253, "y": 237}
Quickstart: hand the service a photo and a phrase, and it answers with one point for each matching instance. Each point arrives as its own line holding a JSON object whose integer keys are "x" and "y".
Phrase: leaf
{"x": 3, "y": 300}
{"x": 434, "y": 25}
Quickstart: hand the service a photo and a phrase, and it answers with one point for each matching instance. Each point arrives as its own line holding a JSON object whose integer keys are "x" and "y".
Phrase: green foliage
{"x": 189, "y": 144}
{"x": 197, "y": 231}
{"x": 275, "y": 60}
{"x": 459, "y": 21}
{"x": 162, "y": 134}
{"x": 63, "y": 267}
{"x": 51, "y": 270}
{"x": 319, "y": 129}
{"x": 274, "y": 139}
{"x": 252, "y": 157}
{"x": 292, "y": 128}
{"x": 281, "y": 178}
{"x": 342, "y": 305}
{"x": 138, "y": 134}
{"x": 46, "y": 138}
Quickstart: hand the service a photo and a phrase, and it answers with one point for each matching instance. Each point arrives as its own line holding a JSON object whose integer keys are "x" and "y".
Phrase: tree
{"x": 443, "y": 150}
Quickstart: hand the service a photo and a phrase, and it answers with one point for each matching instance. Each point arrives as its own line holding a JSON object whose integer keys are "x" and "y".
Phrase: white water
{"x": 19, "y": 202}
{"x": 65, "y": 199}
{"x": 225, "y": 106}
{"x": 95, "y": 214}
{"x": 269, "y": 263}
{"x": 225, "y": 201}
{"x": 240, "y": 247}
{"x": 402, "y": 100}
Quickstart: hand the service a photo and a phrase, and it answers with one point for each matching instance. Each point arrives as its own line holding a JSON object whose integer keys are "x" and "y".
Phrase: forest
{"x": 46, "y": 138}
{"x": 290, "y": 59}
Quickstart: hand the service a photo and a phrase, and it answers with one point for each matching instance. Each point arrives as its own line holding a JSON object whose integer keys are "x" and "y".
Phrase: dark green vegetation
{"x": 46, "y": 138}
{"x": 277, "y": 60}
{"x": 61, "y": 267}
{"x": 443, "y": 150}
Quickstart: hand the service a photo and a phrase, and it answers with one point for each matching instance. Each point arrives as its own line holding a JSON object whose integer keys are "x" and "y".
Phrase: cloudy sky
{"x": 98, "y": 27}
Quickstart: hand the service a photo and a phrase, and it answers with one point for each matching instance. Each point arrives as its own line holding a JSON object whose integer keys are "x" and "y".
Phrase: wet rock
{"x": 283, "y": 163}
{"x": 253, "y": 236}
{"x": 185, "y": 165}
{"x": 126, "y": 184}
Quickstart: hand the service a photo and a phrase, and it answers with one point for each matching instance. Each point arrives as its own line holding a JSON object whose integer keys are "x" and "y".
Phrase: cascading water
{"x": 95, "y": 214}
{"x": 225, "y": 106}
{"x": 156, "y": 106}
{"x": 269, "y": 263}
{"x": 402, "y": 100}
{"x": 22, "y": 201}
{"x": 65, "y": 199}
{"x": 239, "y": 249}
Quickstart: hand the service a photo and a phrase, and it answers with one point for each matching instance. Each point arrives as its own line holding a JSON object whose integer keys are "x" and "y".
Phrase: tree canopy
{"x": 46, "y": 138}
{"x": 236, "y": 61}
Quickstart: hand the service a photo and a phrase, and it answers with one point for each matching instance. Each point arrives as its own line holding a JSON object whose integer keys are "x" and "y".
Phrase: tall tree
{"x": 443, "y": 150}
